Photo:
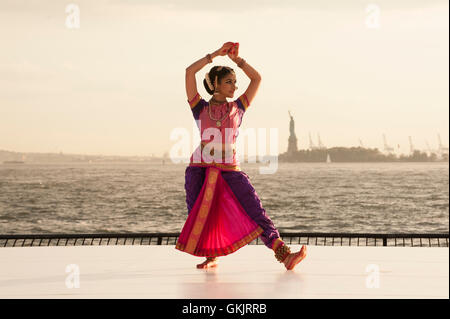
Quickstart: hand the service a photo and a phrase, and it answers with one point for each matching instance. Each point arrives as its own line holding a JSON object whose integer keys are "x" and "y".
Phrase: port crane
{"x": 442, "y": 149}
{"x": 411, "y": 145}
{"x": 361, "y": 143}
{"x": 429, "y": 150}
{"x": 311, "y": 144}
{"x": 321, "y": 146}
{"x": 387, "y": 148}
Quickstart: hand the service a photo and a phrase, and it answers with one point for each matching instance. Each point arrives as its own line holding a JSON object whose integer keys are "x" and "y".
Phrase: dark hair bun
{"x": 207, "y": 87}
{"x": 220, "y": 72}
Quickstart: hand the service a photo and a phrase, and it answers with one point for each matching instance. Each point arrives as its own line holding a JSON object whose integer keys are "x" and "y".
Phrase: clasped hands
{"x": 231, "y": 49}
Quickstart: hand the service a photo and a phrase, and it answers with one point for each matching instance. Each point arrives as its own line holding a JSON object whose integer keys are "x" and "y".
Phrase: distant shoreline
{"x": 168, "y": 162}
{"x": 331, "y": 155}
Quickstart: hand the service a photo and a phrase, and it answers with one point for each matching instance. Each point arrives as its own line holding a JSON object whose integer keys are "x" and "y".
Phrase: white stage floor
{"x": 251, "y": 272}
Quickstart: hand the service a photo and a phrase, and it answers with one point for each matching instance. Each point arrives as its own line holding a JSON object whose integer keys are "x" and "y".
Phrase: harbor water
{"x": 150, "y": 197}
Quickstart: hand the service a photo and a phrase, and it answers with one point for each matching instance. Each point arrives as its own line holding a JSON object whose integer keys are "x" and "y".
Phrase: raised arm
{"x": 255, "y": 77}
{"x": 191, "y": 84}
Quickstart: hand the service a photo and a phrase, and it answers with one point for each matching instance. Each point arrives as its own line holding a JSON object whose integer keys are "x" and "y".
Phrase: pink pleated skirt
{"x": 217, "y": 224}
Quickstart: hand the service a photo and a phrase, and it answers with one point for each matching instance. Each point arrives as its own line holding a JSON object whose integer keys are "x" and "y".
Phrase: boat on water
{"x": 13, "y": 162}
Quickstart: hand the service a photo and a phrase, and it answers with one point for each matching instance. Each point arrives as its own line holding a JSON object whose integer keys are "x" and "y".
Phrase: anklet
{"x": 282, "y": 252}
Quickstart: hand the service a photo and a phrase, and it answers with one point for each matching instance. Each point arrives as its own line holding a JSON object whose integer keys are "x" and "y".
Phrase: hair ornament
{"x": 208, "y": 82}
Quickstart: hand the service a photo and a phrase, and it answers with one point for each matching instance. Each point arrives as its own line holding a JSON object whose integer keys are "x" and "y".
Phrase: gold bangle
{"x": 241, "y": 63}
{"x": 209, "y": 58}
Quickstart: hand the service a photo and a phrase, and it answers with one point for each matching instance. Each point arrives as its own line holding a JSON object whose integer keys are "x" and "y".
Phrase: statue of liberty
{"x": 292, "y": 142}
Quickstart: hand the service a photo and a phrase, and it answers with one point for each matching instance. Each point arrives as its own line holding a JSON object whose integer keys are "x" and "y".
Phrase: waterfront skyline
{"x": 115, "y": 85}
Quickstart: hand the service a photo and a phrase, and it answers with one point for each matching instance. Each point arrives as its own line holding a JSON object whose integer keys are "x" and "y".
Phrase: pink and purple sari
{"x": 224, "y": 211}
{"x": 217, "y": 225}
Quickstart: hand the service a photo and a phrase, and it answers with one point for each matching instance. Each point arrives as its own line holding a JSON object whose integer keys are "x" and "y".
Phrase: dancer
{"x": 224, "y": 210}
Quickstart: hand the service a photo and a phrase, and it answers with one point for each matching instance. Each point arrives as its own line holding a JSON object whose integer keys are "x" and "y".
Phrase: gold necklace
{"x": 218, "y": 121}
{"x": 216, "y": 101}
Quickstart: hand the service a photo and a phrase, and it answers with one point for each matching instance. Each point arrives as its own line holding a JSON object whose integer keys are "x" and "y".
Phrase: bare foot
{"x": 293, "y": 259}
{"x": 210, "y": 262}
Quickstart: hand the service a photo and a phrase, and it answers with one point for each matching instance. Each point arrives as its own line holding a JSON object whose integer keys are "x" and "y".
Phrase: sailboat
{"x": 328, "y": 158}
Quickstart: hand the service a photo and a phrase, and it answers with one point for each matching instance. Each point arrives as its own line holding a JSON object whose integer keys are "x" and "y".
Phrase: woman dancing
{"x": 224, "y": 210}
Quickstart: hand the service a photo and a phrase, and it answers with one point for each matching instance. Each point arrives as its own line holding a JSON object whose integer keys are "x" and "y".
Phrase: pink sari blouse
{"x": 219, "y": 128}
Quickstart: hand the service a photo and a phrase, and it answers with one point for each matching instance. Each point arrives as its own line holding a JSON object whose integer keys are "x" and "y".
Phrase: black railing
{"x": 317, "y": 239}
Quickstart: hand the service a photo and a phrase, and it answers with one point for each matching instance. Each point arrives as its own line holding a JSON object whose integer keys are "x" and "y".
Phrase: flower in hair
{"x": 208, "y": 82}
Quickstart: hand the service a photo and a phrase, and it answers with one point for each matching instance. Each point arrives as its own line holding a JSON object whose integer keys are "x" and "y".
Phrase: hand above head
{"x": 233, "y": 52}
{"x": 225, "y": 48}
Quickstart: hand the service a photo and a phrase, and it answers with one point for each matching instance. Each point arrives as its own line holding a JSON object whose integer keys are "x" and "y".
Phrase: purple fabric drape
{"x": 244, "y": 191}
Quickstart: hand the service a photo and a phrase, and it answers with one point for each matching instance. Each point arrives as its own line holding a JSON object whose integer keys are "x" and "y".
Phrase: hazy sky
{"x": 115, "y": 85}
